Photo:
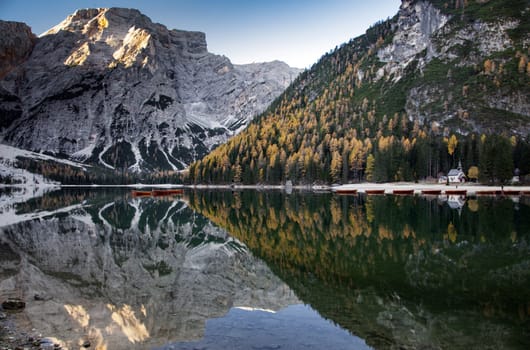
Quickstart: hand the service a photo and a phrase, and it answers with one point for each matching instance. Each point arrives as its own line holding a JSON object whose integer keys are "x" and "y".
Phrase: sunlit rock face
{"x": 131, "y": 274}
{"x": 109, "y": 86}
{"x": 417, "y": 22}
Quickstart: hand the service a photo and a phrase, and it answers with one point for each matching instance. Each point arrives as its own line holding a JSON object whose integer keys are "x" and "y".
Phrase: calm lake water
{"x": 269, "y": 270}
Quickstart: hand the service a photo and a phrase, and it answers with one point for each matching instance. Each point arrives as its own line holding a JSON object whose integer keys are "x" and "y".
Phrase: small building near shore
{"x": 457, "y": 175}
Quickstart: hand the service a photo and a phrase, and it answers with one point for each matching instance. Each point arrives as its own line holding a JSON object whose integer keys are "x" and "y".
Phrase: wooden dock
{"x": 347, "y": 192}
{"x": 433, "y": 190}
{"x": 372, "y": 192}
{"x": 455, "y": 192}
{"x": 157, "y": 193}
{"x": 403, "y": 192}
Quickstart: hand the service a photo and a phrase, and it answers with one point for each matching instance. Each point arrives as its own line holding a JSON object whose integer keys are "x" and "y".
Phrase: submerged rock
{"x": 13, "y": 304}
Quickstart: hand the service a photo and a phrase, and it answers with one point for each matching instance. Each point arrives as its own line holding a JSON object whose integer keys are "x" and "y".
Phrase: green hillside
{"x": 353, "y": 117}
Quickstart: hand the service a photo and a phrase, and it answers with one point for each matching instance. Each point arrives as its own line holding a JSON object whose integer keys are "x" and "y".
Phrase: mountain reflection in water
{"x": 127, "y": 273}
{"x": 398, "y": 272}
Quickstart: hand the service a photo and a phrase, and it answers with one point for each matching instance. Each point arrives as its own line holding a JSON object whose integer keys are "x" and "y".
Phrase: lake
{"x": 268, "y": 270}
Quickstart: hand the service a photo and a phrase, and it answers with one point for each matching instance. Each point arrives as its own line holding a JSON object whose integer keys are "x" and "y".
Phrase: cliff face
{"x": 108, "y": 86}
{"x": 16, "y": 44}
{"x": 416, "y": 23}
{"x": 435, "y": 45}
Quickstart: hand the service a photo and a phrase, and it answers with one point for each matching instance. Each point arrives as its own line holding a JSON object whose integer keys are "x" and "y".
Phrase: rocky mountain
{"x": 385, "y": 105}
{"x": 109, "y": 86}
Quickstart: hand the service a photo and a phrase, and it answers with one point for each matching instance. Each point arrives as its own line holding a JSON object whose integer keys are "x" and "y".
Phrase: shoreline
{"x": 17, "y": 333}
{"x": 417, "y": 188}
{"x": 363, "y": 187}
{"x": 470, "y": 189}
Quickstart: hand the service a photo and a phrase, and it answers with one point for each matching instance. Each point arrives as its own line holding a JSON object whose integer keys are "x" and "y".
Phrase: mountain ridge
{"x": 108, "y": 86}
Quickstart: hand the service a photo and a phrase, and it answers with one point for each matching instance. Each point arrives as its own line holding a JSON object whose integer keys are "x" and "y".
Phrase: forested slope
{"x": 441, "y": 82}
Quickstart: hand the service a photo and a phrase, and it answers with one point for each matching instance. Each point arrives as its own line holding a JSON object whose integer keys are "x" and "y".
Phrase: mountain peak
{"x": 92, "y": 20}
{"x": 107, "y": 37}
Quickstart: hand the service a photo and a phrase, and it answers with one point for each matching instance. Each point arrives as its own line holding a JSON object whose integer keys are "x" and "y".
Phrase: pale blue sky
{"x": 295, "y": 31}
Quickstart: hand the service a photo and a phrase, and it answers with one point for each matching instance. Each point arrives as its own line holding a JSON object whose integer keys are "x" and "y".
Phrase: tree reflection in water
{"x": 396, "y": 271}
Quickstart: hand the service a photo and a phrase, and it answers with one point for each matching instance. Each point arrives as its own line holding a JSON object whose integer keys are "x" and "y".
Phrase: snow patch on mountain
{"x": 9, "y": 153}
{"x": 14, "y": 176}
